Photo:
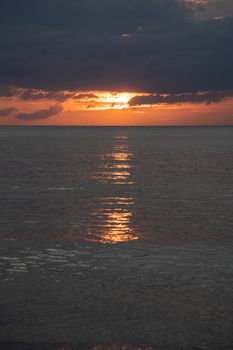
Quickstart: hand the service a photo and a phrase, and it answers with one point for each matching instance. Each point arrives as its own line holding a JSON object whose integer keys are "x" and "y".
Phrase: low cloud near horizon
{"x": 42, "y": 114}
{"x": 7, "y": 111}
{"x": 206, "y": 97}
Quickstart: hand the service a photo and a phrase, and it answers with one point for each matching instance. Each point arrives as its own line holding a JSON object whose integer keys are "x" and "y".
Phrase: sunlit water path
{"x": 114, "y": 213}
{"x": 112, "y": 185}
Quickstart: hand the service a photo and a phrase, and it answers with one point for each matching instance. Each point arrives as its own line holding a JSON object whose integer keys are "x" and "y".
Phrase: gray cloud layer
{"x": 85, "y": 96}
{"x": 7, "y": 111}
{"x": 42, "y": 114}
{"x": 138, "y": 45}
{"x": 33, "y": 94}
{"x": 207, "y": 97}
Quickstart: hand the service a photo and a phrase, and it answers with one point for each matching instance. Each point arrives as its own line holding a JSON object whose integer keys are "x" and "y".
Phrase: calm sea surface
{"x": 111, "y": 185}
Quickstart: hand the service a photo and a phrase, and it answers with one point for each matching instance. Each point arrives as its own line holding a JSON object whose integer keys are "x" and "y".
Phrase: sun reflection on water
{"x": 115, "y": 213}
{"x": 116, "y": 221}
{"x": 115, "y": 167}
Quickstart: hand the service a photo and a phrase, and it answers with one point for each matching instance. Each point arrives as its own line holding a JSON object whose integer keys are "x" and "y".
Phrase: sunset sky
{"x": 116, "y": 62}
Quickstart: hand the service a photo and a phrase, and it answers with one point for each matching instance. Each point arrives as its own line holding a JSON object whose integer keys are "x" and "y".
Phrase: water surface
{"x": 114, "y": 184}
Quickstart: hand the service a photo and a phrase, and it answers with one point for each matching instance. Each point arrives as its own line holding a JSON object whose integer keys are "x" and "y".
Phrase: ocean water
{"x": 70, "y": 195}
{"x": 116, "y": 184}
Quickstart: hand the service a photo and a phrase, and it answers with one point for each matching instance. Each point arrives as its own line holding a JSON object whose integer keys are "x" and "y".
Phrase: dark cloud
{"x": 7, "y": 91}
{"x": 213, "y": 8}
{"x": 206, "y": 97}
{"x": 85, "y": 96}
{"x": 42, "y": 114}
{"x": 7, "y": 111}
{"x": 125, "y": 45}
{"x": 32, "y": 94}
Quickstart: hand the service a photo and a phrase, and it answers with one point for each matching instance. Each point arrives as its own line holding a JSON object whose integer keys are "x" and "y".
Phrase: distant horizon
{"x": 118, "y": 126}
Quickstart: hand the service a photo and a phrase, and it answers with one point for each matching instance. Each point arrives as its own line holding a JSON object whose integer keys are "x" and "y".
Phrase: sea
{"x": 116, "y": 238}
{"x": 112, "y": 185}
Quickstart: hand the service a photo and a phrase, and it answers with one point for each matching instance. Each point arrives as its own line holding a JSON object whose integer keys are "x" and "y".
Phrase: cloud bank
{"x": 7, "y": 111}
{"x": 206, "y": 97}
{"x": 42, "y": 114}
{"x": 155, "y": 46}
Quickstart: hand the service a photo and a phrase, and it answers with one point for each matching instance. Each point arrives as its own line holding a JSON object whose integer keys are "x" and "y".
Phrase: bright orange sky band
{"x": 112, "y": 108}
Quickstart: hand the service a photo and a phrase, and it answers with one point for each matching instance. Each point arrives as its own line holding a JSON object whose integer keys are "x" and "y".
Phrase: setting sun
{"x": 119, "y": 100}
{"x": 112, "y": 100}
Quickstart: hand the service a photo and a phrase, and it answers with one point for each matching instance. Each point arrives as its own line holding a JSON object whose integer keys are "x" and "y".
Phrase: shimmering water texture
{"x": 114, "y": 214}
{"x": 112, "y": 185}
{"x": 115, "y": 167}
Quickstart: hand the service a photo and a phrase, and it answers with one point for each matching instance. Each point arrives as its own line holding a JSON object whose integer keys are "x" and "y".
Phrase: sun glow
{"x": 100, "y": 101}
{"x": 110, "y": 100}
{"x": 119, "y": 99}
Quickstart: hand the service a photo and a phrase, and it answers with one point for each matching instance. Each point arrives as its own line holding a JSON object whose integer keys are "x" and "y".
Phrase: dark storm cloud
{"x": 207, "y": 97}
{"x": 7, "y": 111}
{"x": 42, "y": 114}
{"x": 134, "y": 45}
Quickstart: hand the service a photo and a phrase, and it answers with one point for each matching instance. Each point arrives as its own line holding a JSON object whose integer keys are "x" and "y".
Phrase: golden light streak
{"x": 115, "y": 214}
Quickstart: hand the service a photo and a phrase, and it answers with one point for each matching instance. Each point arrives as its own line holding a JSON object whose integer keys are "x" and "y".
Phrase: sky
{"x": 116, "y": 62}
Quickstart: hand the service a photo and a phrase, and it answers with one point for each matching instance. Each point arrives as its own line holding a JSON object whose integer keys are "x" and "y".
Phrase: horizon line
{"x": 118, "y": 126}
